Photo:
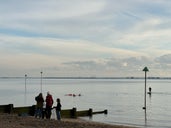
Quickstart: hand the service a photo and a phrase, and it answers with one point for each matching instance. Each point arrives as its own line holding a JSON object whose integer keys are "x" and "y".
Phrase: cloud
{"x": 123, "y": 67}
{"x": 43, "y": 16}
{"x": 131, "y": 66}
{"x": 165, "y": 59}
{"x": 58, "y": 47}
{"x": 87, "y": 38}
{"x": 42, "y": 10}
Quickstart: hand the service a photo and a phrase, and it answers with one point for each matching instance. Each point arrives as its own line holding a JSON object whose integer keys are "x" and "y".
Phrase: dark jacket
{"x": 58, "y": 107}
{"x": 39, "y": 99}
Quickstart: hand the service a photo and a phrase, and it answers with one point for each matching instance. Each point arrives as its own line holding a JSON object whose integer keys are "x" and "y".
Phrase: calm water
{"x": 123, "y": 98}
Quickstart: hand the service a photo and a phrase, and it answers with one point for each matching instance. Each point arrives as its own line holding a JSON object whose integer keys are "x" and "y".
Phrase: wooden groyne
{"x": 30, "y": 110}
{"x": 73, "y": 113}
{"x": 6, "y": 108}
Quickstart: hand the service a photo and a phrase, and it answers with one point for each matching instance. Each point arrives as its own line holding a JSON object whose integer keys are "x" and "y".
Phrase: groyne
{"x": 30, "y": 110}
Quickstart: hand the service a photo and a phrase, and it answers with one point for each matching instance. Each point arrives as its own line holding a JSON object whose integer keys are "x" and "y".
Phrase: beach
{"x": 15, "y": 121}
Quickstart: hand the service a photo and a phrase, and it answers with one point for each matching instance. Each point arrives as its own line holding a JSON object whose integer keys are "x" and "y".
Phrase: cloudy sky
{"x": 85, "y": 37}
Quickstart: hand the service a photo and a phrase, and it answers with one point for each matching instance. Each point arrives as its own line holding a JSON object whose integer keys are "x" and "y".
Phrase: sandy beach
{"x": 15, "y": 121}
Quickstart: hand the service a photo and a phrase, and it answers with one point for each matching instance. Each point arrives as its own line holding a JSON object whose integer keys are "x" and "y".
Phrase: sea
{"x": 123, "y": 98}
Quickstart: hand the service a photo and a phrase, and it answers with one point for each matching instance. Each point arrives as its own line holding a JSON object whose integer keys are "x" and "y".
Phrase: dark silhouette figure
{"x": 58, "y": 109}
{"x": 49, "y": 103}
{"x": 149, "y": 90}
{"x": 39, "y": 106}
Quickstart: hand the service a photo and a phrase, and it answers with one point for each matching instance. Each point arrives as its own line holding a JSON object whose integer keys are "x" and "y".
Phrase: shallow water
{"x": 123, "y": 98}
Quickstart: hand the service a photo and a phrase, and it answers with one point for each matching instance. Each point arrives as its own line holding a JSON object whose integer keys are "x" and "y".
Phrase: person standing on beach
{"x": 39, "y": 106}
{"x": 49, "y": 103}
{"x": 58, "y": 109}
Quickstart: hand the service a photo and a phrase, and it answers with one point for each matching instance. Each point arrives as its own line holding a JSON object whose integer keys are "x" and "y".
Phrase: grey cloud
{"x": 112, "y": 63}
{"x": 165, "y": 59}
{"x": 163, "y": 63}
{"x": 84, "y": 65}
{"x": 131, "y": 66}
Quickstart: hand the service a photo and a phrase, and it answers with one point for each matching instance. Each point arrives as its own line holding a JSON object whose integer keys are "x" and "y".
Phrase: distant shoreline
{"x": 162, "y": 78}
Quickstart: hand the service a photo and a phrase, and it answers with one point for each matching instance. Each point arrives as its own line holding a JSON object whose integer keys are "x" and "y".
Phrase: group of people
{"x": 44, "y": 107}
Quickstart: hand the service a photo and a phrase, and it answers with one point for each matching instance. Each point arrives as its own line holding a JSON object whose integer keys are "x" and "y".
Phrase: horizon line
{"x": 82, "y": 77}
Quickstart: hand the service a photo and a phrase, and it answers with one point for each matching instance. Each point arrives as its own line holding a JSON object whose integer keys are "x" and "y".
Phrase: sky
{"x": 85, "y": 38}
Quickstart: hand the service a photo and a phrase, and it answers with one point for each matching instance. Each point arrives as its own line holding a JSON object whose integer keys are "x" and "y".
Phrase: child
{"x": 58, "y": 109}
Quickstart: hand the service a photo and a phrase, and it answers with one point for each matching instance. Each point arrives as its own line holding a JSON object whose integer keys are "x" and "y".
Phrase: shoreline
{"x": 15, "y": 121}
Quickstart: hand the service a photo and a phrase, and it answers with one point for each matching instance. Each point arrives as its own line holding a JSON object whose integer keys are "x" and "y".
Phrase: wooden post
{"x": 90, "y": 112}
{"x": 10, "y": 108}
{"x": 32, "y": 110}
{"x": 74, "y": 113}
{"x": 105, "y": 111}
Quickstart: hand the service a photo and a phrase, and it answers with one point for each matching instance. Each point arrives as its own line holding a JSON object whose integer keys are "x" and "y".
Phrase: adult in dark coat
{"x": 39, "y": 106}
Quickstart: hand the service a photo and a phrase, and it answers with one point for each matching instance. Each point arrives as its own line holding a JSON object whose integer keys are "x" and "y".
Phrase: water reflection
{"x": 145, "y": 117}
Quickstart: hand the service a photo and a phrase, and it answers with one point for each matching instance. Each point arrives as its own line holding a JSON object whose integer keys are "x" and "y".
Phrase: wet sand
{"x": 15, "y": 121}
